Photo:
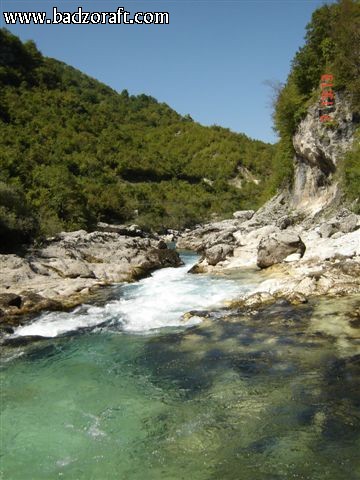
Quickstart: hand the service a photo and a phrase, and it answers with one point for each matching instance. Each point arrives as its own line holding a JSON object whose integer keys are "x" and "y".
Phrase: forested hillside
{"x": 73, "y": 152}
{"x": 332, "y": 45}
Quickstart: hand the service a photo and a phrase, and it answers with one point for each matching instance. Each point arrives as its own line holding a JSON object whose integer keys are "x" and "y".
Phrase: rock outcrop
{"x": 318, "y": 149}
{"x": 66, "y": 269}
{"x": 207, "y": 236}
{"x": 307, "y": 217}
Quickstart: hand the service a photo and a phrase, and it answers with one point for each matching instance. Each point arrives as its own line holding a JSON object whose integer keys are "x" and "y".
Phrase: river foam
{"x": 152, "y": 303}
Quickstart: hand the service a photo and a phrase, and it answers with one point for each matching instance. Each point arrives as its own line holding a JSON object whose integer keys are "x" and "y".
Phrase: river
{"x": 127, "y": 390}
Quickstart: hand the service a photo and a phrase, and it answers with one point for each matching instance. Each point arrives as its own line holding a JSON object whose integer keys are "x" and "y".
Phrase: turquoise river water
{"x": 126, "y": 390}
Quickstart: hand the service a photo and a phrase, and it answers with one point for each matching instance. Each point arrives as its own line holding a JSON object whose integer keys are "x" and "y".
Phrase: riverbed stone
{"x": 162, "y": 245}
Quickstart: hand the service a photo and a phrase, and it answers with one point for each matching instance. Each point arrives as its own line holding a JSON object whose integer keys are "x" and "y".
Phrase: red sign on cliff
{"x": 327, "y": 96}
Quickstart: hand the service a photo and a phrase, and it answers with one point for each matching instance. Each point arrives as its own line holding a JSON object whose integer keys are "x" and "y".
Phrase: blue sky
{"x": 211, "y": 61}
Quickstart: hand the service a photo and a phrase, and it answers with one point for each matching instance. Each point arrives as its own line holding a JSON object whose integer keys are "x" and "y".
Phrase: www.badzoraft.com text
{"x": 81, "y": 17}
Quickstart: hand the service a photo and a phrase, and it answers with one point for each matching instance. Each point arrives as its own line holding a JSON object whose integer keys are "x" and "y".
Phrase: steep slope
{"x": 307, "y": 229}
{"x": 319, "y": 150}
{"x": 322, "y": 158}
{"x": 73, "y": 152}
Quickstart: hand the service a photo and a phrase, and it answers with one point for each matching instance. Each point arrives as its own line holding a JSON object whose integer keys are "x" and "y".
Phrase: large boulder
{"x": 350, "y": 223}
{"x": 166, "y": 257}
{"x": 344, "y": 222}
{"x": 276, "y": 247}
{"x": 328, "y": 229}
{"x": 218, "y": 253}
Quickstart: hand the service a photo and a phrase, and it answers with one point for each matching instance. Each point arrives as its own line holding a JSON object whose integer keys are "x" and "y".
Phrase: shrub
{"x": 18, "y": 224}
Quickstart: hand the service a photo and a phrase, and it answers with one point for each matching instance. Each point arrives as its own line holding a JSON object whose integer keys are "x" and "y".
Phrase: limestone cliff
{"x": 300, "y": 227}
{"x": 318, "y": 149}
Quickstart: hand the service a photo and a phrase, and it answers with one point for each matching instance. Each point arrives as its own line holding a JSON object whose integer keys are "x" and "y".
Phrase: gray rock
{"x": 166, "y": 258}
{"x": 218, "y": 238}
{"x": 337, "y": 235}
{"x": 276, "y": 247}
{"x": 72, "y": 268}
{"x": 288, "y": 221}
{"x": 243, "y": 215}
{"x": 344, "y": 222}
{"x": 128, "y": 230}
{"x": 350, "y": 223}
{"x": 206, "y": 236}
{"x": 326, "y": 230}
{"x": 218, "y": 253}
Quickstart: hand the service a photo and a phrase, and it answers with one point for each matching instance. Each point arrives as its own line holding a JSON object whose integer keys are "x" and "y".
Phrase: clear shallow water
{"x": 273, "y": 395}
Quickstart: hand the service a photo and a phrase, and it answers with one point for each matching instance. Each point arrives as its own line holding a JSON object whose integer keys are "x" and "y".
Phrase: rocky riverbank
{"x": 67, "y": 269}
{"x": 304, "y": 238}
{"x": 299, "y": 257}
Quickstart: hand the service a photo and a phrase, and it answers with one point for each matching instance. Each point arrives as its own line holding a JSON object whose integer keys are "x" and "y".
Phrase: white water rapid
{"x": 152, "y": 303}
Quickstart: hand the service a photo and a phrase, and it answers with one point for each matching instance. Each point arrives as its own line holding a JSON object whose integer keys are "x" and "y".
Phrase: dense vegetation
{"x": 332, "y": 45}
{"x": 73, "y": 152}
{"x": 350, "y": 175}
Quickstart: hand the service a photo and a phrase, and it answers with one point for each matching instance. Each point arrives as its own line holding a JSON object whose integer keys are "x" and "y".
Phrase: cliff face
{"x": 319, "y": 147}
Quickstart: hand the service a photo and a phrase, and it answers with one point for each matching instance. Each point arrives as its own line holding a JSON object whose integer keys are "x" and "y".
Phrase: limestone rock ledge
{"x": 68, "y": 268}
